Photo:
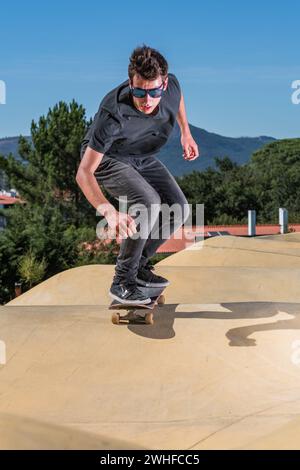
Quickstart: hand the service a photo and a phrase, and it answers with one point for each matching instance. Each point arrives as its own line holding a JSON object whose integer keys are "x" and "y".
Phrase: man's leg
{"x": 122, "y": 181}
{"x": 159, "y": 177}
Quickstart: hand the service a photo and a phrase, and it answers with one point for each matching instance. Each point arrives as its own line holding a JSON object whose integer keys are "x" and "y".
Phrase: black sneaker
{"x": 128, "y": 294}
{"x": 146, "y": 278}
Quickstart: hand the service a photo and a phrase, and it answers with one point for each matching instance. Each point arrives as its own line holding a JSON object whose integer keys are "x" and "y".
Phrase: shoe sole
{"x": 130, "y": 302}
{"x": 152, "y": 284}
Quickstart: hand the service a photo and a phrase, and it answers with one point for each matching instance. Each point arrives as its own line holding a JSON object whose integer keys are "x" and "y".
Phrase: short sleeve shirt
{"x": 119, "y": 129}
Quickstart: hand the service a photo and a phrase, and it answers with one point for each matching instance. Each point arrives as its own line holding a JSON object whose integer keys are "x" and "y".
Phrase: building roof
{"x": 8, "y": 200}
{"x": 192, "y": 234}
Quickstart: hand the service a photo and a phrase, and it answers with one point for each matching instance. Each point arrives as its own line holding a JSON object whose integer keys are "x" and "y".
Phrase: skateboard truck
{"x": 137, "y": 314}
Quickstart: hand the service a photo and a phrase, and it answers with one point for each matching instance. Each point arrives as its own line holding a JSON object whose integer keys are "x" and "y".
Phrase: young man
{"x": 119, "y": 151}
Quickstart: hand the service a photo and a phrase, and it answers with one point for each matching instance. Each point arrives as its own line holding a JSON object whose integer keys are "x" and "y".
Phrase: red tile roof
{"x": 185, "y": 237}
{"x": 173, "y": 245}
{"x": 7, "y": 200}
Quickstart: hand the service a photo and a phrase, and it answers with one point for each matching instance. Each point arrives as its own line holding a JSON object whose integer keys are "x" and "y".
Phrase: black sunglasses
{"x": 153, "y": 92}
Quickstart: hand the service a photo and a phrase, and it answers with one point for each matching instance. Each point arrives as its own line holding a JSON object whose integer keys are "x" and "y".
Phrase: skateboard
{"x": 138, "y": 314}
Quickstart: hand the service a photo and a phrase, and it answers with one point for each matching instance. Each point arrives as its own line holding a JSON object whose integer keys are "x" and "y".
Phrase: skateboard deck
{"x": 139, "y": 313}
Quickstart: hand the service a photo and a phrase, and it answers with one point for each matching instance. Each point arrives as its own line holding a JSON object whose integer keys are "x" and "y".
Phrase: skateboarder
{"x": 119, "y": 152}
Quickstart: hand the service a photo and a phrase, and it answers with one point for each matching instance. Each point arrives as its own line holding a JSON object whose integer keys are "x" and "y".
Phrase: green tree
{"x": 269, "y": 181}
{"x": 47, "y": 167}
{"x": 30, "y": 269}
{"x": 226, "y": 192}
{"x": 275, "y": 171}
{"x": 54, "y": 218}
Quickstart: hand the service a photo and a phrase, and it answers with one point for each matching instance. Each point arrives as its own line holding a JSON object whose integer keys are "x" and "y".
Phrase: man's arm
{"x": 122, "y": 223}
{"x": 190, "y": 148}
{"x": 182, "y": 119}
{"x": 87, "y": 182}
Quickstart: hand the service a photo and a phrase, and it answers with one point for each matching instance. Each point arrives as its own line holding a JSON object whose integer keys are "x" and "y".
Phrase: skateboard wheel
{"x": 115, "y": 318}
{"x": 161, "y": 299}
{"x": 149, "y": 319}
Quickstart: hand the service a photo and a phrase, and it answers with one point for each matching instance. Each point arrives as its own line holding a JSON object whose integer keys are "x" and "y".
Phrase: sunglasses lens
{"x": 138, "y": 92}
{"x": 141, "y": 93}
{"x": 156, "y": 93}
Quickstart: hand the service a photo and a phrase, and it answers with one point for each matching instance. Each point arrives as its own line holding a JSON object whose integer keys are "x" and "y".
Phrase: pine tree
{"x": 54, "y": 218}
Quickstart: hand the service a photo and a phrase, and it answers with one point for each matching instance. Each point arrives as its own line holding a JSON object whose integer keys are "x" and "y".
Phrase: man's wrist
{"x": 185, "y": 131}
{"x": 105, "y": 208}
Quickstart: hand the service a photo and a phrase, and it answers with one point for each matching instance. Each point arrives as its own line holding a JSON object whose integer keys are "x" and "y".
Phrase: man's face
{"x": 147, "y": 104}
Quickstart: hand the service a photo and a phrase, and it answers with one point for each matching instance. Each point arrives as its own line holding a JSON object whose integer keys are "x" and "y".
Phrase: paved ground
{"x": 220, "y": 368}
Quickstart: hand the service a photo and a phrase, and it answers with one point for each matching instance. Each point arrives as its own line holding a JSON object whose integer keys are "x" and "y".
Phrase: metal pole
{"x": 283, "y": 220}
{"x": 251, "y": 223}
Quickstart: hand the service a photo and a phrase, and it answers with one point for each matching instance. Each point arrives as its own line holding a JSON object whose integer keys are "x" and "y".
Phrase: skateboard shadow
{"x": 165, "y": 316}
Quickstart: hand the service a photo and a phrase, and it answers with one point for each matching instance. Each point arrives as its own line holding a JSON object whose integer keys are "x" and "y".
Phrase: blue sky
{"x": 235, "y": 60}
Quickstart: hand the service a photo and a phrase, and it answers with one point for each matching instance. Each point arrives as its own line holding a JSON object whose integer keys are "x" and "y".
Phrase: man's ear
{"x": 166, "y": 83}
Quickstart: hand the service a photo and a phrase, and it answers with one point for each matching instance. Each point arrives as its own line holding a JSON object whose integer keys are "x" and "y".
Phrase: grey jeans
{"x": 145, "y": 181}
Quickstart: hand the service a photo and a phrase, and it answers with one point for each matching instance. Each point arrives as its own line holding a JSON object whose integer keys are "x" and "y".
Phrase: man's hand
{"x": 120, "y": 224}
{"x": 190, "y": 148}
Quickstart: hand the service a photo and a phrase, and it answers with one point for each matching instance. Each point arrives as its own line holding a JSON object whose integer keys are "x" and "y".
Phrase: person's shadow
{"x": 165, "y": 315}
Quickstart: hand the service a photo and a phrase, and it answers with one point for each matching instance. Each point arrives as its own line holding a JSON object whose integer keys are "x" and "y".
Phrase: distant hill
{"x": 10, "y": 145}
{"x": 211, "y": 145}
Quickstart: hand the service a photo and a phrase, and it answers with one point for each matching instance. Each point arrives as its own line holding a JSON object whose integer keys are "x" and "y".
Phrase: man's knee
{"x": 153, "y": 200}
{"x": 152, "y": 205}
{"x": 185, "y": 210}
{"x": 181, "y": 209}
{"x": 146, "y": 213}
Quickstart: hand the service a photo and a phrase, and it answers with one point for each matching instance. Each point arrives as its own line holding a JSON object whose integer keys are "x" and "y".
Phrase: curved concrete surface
{"x": 237, "y": 251}
{"x": 219, "y": 369}
{"x": 22, "y": 433}
{"x": 85, "y": 285}
{"x": 293, "y": 237}
{"x": 287, "y": 437}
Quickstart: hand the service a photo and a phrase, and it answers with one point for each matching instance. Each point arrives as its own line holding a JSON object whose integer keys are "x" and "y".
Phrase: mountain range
{"x": 211, "y": 145}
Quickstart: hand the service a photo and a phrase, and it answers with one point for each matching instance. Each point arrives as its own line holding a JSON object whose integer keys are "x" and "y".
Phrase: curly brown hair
{"x": 148, "y": 63}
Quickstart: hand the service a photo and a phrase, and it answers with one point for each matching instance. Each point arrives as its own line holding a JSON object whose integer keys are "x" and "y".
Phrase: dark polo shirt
{"x": 119, "y": 129}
